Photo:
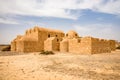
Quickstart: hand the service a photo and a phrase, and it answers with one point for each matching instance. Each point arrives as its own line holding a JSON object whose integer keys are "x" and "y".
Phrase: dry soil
{"x": 60, "y": 66}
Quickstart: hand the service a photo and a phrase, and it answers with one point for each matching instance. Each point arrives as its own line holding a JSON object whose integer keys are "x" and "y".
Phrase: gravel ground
{"x": 61, "y": 66}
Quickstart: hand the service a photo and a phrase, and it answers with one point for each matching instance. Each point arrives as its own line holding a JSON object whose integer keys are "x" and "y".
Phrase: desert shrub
{"x": 6, "y": 48}
{"x": 118, "y": 47}
{"x": 47, "y": 52}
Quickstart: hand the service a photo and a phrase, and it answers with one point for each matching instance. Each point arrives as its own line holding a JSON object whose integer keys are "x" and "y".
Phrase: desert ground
{"x": 60, "y": 66}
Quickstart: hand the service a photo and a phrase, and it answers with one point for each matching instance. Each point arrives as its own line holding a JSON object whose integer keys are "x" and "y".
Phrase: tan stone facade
{"x": 38, "y": 39}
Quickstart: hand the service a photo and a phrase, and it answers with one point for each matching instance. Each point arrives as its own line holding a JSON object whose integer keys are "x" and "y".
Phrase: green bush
{"x": 47, "y": 52}
{"x": 6, "y": 48}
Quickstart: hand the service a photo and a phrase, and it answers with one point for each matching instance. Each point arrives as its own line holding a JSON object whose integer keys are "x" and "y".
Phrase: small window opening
{"x": 57, "y": 40}
{"x": 49, "y": 35}
{"x": 78, "y": 41}
{"x": 75, "y": 34}
{"x": 56, "y": 35}
{"x": 66, "y": 34}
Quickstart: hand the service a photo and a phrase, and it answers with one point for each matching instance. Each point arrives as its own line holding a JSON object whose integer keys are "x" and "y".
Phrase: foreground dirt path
{"x": 61, "y": 66}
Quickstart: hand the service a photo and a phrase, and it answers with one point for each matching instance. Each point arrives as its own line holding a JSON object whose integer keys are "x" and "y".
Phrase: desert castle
{"x": 38, "y": 39}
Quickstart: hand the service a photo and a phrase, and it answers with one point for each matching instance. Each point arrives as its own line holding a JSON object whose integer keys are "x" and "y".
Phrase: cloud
{"x": 57, "y": 8}
{"x": 6, "y": 21}
{"x": 107, "y": 31}
{"x": 34, "y": 8}
{"x": 111, "y": 7}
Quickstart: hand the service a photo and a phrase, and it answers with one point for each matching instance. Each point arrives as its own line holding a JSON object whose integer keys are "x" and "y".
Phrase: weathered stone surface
{"x": 38, "y": 39}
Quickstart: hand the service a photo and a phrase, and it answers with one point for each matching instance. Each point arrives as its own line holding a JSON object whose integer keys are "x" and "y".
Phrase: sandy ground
{"x": 61, "y": 66}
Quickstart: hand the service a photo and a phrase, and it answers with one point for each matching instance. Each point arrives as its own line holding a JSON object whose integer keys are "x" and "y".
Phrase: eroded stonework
{"x": 38, "y": 39}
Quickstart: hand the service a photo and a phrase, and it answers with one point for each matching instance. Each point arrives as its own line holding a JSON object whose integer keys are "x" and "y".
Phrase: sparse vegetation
{"x": 118, "y": 47}
{"x": 47, "y": 52}
{"x": 7, "y": 48}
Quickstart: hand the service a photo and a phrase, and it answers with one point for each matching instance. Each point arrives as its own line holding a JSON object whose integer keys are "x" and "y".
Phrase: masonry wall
{"x": 41, "y": 38}
{"x": 38, "y": 39}
{"x": 33, "y": 40}
{"x": 81, "y": 46}
{"x": 56, "y": 44}
{"x": 30, "y": 46}
{"x": 100, "y": 46}
{"x": 13, "y": 46}
{"x": 48, "y": 45}
{"x": 64, "y": 45}
{"x": 45, "y": 34}
{"x": 14, "y": 43}
{"x": 52, "y": 44}
{"x": 19, "y": 46}
{"x": 112, "y": 45}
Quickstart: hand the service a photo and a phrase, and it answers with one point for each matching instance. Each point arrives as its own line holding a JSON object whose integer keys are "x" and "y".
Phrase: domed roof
{"x": 72, "y": 34}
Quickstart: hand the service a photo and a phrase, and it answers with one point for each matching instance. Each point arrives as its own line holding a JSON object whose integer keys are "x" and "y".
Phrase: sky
{"x": 96, "y": 18}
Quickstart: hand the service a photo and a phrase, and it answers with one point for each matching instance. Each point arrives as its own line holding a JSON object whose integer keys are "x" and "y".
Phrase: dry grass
{"x": 60, "y": 66}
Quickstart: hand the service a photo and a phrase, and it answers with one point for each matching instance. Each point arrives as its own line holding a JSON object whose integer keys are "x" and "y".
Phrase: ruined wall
{"x": 52, "y": 44}
{"x": 112, "y": 45}
{"x": 13, "y": 46}
{"x": 19, "y": 46}
{"x": 82, "y": 46}
{"x": 30, "y": 46}
{"x": 26, "y": 44}
{"x": 90, "y": 45}
{"x": 48, "y": 45}
{"x": 38, "y": 39}
{"x": 14, "y": 43}
{"x": 64, "y": 45}
{"x": 100, "y": 46}
{"x": 34, "y": 38}
{"x": 44, "y": 34}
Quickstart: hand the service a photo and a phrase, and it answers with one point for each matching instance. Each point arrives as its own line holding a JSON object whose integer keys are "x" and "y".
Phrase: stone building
{"x": 38, "y": 39}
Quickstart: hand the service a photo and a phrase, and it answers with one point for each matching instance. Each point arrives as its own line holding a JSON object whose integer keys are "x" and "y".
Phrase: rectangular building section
{"x": 38, "y": 39}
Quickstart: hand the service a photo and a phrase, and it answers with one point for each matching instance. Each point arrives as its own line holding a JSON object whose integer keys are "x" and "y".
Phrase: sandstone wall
{"x": 14, "y": 43}
{"x": 112, "y": 45}
{"x": 30, "y": 46}
{"x": 52, "y": 44}
{"x": 81, "y": 46}
{"x": 34, "y": 38}
{"x": 13, "y": 46}
{"x": 47, "y": 33}
{"x": 100, "y": 46}
{"x": 64, "y": 45}
{"x": 38, "y": 39}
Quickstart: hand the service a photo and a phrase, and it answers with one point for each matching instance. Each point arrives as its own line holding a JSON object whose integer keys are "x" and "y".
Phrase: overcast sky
{"x": 97, "y": 18}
